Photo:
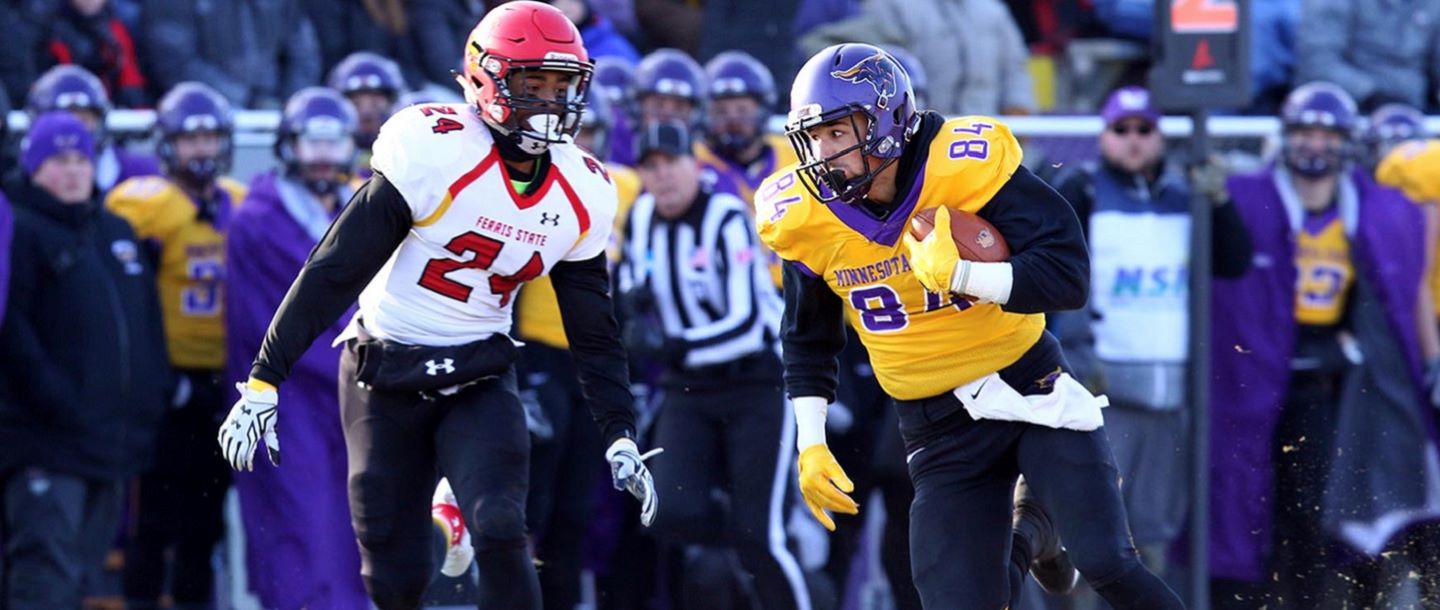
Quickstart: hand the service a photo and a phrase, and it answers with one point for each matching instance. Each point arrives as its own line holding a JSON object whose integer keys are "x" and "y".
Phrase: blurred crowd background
{"x": 1324, "y": 485}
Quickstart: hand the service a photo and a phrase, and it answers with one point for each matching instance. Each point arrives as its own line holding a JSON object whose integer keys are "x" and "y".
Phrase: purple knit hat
{"x": 53, "y": 133}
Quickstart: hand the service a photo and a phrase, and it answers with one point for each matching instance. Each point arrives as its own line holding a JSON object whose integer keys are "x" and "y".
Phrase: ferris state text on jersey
{"x": 921, "y": 343}
{"x": 475, "y": 239}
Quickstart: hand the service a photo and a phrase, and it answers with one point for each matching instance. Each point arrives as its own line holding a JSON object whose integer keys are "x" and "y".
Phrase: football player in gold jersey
{"x": 982, "y": 391}
{"x": 182, "y": 214}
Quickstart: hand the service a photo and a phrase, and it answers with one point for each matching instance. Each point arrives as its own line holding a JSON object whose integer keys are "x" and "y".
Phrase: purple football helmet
{"x": 615, "y": 78}
{"x": 366, "y": 71}
{"x": 672, "y": 72}
{"x": 598, "y": 121}
{"x": 738, "y": 74}
{"x": 919, "y": 83}
{"x": 317, "y": 127}
{"x": 192, "y": 107}
{"x": 1318, "y": 105}
{"x": 68, "y": 87}
{"x": 1395, "y": 123}
{"x": 836, "y": 84}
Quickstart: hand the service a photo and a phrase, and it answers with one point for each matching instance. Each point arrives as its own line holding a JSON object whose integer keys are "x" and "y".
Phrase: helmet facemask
{"x": 532, "y": 122}
{"x": 825, "y": 182}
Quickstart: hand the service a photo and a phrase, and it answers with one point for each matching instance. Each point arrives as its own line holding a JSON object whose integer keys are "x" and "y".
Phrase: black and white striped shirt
{"x": 711, "y": 288}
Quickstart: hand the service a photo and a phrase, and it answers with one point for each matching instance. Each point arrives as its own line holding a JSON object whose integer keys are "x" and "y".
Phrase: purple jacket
{"x": 1253, "y": 339}
{"x": 298, "y": 513}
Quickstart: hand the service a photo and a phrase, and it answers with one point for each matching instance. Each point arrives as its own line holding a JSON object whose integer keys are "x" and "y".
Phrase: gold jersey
{"x": 191, "y": 270}
{"x": 921, "y": 343}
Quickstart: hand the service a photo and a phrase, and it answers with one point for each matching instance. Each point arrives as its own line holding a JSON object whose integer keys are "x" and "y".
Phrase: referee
{"x": 700, "y": 301}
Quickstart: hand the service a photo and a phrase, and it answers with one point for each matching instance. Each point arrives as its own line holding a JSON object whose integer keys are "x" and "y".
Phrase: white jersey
{"x": 475, "y": 240}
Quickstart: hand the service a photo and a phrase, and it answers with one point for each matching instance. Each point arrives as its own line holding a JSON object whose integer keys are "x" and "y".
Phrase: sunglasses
{"x": 1143, "y": 129}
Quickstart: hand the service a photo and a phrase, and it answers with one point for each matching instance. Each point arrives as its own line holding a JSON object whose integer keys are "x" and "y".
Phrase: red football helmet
{"x": 512, "y": 39}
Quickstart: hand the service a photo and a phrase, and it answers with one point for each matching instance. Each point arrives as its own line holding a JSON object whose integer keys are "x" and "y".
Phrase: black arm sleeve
{"x": 1047, "y": 248}
{"x": 355, "y": 247}
{"x": 1231, "y": 242}
{"x": 1076, "y": 186}
{"x": 812, "y": 334}
{"x": 582, "y": 289}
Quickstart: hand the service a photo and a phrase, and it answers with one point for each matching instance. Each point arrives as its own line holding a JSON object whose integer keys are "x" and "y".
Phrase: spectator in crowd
{"x": 372, "y": 83}
{"x": 1317, "y": 370}
{"x": 22, "y": 21}
{"x": 1126, "y": 18}
{"x": 1379, "y": 53}
{"x": 601, "y": 37}
{"x": 88, "y": 33}
{"x": 699, "y": 301}
{"x": 814, "y": 13}
{"x": 1272, "y": 51}
{"x": 73, "y": 89}
{"x": 7, "y": 218}
{"x": 181, "y": 216}
{"x": 564, "y": 458}
{"x": 255, "y": 53}
{"x": 80, "y": 415}
{"x": 345, "y": 27}
{"x": 759, "y": 28}
{"x": 1133, "y": 339}
{"x": 297, "y": 520}
{"x": 436, "y": 29}
{"x": 971, "y": 50}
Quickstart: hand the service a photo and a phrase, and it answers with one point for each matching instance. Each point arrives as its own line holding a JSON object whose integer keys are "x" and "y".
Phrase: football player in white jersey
{"x": 468, "y": 202}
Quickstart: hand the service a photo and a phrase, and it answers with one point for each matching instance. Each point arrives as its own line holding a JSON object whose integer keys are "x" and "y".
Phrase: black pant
{"x": 563, "y": 473}
{"x": 736, "y": 435}
{"x": 1305, "y": 554}
{"x": 55, "y": 530}
{"x": 964, "y": 472}
{"x": 181, "y": 502}
{"x": 396, "y": 443}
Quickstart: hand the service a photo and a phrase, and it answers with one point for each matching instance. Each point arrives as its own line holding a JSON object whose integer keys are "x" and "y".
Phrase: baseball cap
{"x": 1128, "y": 102}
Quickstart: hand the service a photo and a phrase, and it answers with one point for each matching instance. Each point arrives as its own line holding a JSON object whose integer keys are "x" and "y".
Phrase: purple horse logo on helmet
{"x": 877, "y": 70}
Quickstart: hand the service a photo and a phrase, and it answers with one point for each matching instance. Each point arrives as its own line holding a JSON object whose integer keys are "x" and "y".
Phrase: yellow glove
{"x": 824, "y": 485}
{"x": 933, "y": 259}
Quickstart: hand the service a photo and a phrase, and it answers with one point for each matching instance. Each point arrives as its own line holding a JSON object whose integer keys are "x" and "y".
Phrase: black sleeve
{"x": 812, "y": 334}
{"x": 1231, "y": 242}
{"x": 582, "y": 289}
{"x": 355, "y": 247}
{"x": 1047, "y": 248}
{"x": 1077, "y": 187}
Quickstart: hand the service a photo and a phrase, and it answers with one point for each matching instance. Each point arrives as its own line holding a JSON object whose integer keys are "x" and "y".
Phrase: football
{"x": 976, "y": 238}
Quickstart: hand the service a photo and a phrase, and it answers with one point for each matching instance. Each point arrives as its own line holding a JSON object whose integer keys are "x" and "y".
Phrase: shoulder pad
{"x": 1412, "y": 167}
{"x": 970, "y": 159}
{"x": 152, "y": 205}
{"x": 423, "y": 149}
{"x": 782, "y": 208}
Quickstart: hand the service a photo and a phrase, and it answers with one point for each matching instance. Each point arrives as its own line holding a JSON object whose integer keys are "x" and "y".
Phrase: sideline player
{"x": 468, "y": 202}
{"x": 982, "y": 390}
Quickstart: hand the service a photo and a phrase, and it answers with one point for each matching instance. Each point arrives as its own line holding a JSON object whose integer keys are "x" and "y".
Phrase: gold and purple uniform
{"x": 921, "y": 343}
{"x": 191, "y": 268}
{"x": 538, "y": 315}
{"x": 743, "y": 180}
{"x": 1324, "y": 271}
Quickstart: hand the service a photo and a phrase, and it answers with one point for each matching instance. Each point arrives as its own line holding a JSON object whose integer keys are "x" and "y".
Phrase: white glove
{"x": 252, "y": 418}
{"x": 627, "y": 468}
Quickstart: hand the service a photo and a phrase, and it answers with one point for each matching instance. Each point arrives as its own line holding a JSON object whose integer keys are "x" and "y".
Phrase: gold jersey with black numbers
{"x": 1325, "y": 273}
{"x": 538, "y": 314}
{"x": 191, "y": 270}
{"x": 921, "y": 343}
